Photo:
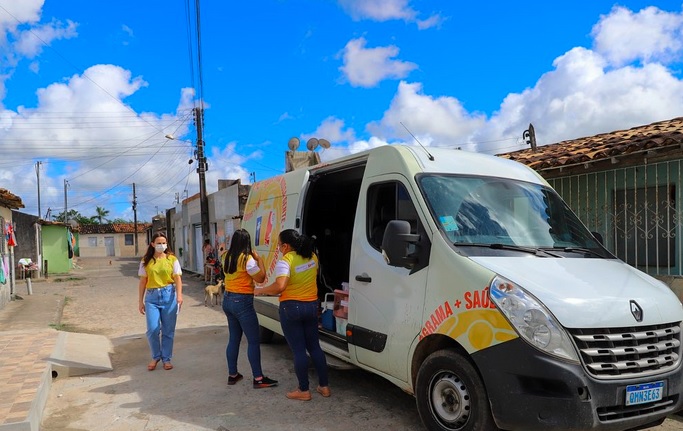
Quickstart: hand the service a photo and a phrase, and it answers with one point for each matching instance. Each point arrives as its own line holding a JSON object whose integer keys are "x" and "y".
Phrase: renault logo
{"x": 636, "y": 311}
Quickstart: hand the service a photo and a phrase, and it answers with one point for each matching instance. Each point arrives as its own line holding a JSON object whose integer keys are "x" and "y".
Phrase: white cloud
{"x": 378, "y": 10}
{"x": 386, "y": 10}
{"x": 440, "y": 119}
{"x": 228, "y": 166}
{"x": 432, "y": 21}
{"x": 284, "y": 117}
{"x": 30, "y": 43}
{"x": 650, "y": 35}
{"x": 19, "y": 12}
{"x": 582, "y": 97}
{"x": 127, "y": 30}
{"x": 84, "y": 133}
{"x": 332, "y": 129}
{"x": 623, "y": 83}
{"x": 366, "y": 67}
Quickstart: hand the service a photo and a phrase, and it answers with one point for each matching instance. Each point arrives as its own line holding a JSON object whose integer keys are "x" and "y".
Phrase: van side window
{"x": 388, "y": 201}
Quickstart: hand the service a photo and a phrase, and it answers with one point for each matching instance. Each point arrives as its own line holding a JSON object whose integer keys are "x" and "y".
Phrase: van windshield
{"x": 481, "y": 211}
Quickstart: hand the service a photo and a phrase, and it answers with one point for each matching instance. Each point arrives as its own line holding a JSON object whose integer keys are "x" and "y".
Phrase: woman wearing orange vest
{"x": 242, "y": 267}
{"x": 296, "y": 283}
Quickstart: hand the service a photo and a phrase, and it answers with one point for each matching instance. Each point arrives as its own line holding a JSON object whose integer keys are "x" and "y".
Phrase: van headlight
{"x": 531, "y": 319}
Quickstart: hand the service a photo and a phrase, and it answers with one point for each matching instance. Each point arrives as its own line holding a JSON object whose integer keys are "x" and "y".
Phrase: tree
{"x": 120, "y": 220}
{"x": 101, "y": 214}
{"x": 73, "y": 215}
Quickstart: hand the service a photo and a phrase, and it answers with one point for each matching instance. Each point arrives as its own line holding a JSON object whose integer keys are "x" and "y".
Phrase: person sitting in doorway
{"x": 209, "y": 261}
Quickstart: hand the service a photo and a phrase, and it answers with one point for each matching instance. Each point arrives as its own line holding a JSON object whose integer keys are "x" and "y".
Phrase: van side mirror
{"x": 396, "y": 244}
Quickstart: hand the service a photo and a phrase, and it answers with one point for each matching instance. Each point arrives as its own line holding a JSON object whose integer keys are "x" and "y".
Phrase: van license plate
{"x": 645, "y": 393}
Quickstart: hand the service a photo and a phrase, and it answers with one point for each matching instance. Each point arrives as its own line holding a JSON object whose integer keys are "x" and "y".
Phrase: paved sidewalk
{"x": 26, "y": 342}
{"x": 33, "y": 351}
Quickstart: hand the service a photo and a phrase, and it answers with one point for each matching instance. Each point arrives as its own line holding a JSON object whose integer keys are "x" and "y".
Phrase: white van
{"x": 473, "y": 286}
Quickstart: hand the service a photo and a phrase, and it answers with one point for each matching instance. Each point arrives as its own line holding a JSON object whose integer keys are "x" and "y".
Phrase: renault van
{"x": 465, "y": 280}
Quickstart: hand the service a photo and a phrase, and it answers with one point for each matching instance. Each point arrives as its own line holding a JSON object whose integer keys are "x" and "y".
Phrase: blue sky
{"x": 90, "y": 89}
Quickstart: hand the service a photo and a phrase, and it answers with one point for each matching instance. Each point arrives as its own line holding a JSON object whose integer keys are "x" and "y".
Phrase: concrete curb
{"x": 77, "y": 354}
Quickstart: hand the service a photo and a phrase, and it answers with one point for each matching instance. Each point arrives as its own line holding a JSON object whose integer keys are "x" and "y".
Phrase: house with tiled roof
{"x": 8, "y": 202}
{"x": 626, "y": 185}
{"x": 115, "y": 239}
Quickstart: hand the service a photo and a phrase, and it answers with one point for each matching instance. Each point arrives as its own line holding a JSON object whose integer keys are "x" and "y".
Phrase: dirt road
{"x": 102, "y": 299}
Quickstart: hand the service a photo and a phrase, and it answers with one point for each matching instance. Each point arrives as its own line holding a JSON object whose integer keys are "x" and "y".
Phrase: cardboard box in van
{"x": 474, "y": 287}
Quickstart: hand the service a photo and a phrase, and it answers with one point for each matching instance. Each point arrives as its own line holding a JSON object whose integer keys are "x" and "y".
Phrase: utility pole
{"x": 66, "y": 212}
{"x": 201, "y": 170}
{"x": 135, "y": 220}
{"x": 38, "y": 175}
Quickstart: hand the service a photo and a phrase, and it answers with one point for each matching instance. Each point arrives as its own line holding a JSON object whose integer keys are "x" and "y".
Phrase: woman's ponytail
{"x": 302, "y": 244}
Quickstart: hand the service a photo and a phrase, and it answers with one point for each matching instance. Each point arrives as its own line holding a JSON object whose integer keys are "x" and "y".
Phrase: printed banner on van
{"x": 268, "y": 204}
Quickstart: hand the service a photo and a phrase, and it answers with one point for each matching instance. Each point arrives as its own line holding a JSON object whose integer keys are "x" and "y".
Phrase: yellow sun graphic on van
{"x": 478, "y": 329}
{"x": 476, "y": 325}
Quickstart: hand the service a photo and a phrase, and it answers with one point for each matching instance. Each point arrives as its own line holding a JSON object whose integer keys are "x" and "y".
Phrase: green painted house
{"x": 57, "y": 247}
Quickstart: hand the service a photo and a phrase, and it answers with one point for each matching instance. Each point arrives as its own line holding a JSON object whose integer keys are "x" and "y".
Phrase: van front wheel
{"x": 451, "y": 396}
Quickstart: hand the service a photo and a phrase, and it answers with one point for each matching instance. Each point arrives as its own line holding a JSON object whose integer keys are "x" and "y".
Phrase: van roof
{"x": 415, "y": 160}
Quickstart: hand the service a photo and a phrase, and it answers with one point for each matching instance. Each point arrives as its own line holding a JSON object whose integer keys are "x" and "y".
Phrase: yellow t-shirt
{"x": 302, "y": 273}
{"x": 160, "y": 272}
{"x": 240, "y": 281}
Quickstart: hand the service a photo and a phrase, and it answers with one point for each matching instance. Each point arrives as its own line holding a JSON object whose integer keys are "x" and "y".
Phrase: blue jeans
{"x": 239, "y": 309}
{"x": 161, "y": 311}
{"x": 299, "y": 322}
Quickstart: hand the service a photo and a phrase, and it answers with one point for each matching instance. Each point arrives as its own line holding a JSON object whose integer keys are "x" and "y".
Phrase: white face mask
{"x": 160, "y": 248}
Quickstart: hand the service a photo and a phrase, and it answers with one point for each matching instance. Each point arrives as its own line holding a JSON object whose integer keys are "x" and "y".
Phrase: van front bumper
{"x": 530, "y": 390}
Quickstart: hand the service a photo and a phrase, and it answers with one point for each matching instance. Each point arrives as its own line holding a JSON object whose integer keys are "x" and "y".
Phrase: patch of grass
{"x": 61, "y": 280}
{"x": 62, "y": 327}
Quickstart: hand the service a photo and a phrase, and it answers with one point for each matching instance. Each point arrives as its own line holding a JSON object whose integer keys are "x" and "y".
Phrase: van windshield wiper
{"x": 498, "y": 246}
{"x": 577, "y": 250}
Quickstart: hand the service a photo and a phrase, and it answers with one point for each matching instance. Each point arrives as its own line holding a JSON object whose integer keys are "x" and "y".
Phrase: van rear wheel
{"x": 265, "y": 335}
{"x": 450, "y": 394}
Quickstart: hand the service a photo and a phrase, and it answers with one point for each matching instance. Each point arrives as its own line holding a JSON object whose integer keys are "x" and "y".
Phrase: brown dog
{"x": 213, "y": 291}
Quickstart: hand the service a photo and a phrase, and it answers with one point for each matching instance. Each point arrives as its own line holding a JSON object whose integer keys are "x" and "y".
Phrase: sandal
{"x": 168, "y": 366}
{"x": 153, "y": 365}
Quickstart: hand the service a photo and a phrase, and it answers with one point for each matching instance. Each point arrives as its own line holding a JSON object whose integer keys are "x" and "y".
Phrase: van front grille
{"x": 610, "y": 353}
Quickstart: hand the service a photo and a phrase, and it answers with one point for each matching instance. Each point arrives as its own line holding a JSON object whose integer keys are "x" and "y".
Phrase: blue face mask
{"x": 160, "y": 248}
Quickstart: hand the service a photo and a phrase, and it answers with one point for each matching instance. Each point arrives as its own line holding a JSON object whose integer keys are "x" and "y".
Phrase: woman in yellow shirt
{"x": 160, "y": 298}
{"x": 241, "y": 267}
{"x": 296, "y": 283}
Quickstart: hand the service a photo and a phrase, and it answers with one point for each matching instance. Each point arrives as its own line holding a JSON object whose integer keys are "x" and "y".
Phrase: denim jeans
{"x": 161, "y": 311}
{"x": 239, "y": 309}
{"x": 299, "y": 322}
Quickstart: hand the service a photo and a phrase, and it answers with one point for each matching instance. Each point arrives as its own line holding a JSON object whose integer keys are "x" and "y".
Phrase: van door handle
{"x": 364, "y": 278}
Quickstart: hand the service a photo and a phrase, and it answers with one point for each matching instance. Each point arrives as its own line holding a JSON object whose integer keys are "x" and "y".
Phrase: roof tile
{"x": 662, "y": 134}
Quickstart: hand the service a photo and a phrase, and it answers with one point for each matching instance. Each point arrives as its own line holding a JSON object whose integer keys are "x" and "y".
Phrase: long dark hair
{"x": 149, "y": 254}
{"x": 302, "y": 244}
{"x": 240, "y": 244}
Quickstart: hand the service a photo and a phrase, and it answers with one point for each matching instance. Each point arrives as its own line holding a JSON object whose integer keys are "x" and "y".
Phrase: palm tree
{"x": 101, "y": 214}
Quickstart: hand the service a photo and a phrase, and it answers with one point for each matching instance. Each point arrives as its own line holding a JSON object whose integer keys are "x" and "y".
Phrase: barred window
{"x": 644, "y": 225}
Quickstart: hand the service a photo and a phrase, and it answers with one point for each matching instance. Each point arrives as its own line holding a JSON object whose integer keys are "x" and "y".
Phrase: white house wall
{"x": 224, "y": 212}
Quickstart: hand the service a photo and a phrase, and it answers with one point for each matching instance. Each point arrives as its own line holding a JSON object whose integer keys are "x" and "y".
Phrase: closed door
{"x": 109, "y": 245}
